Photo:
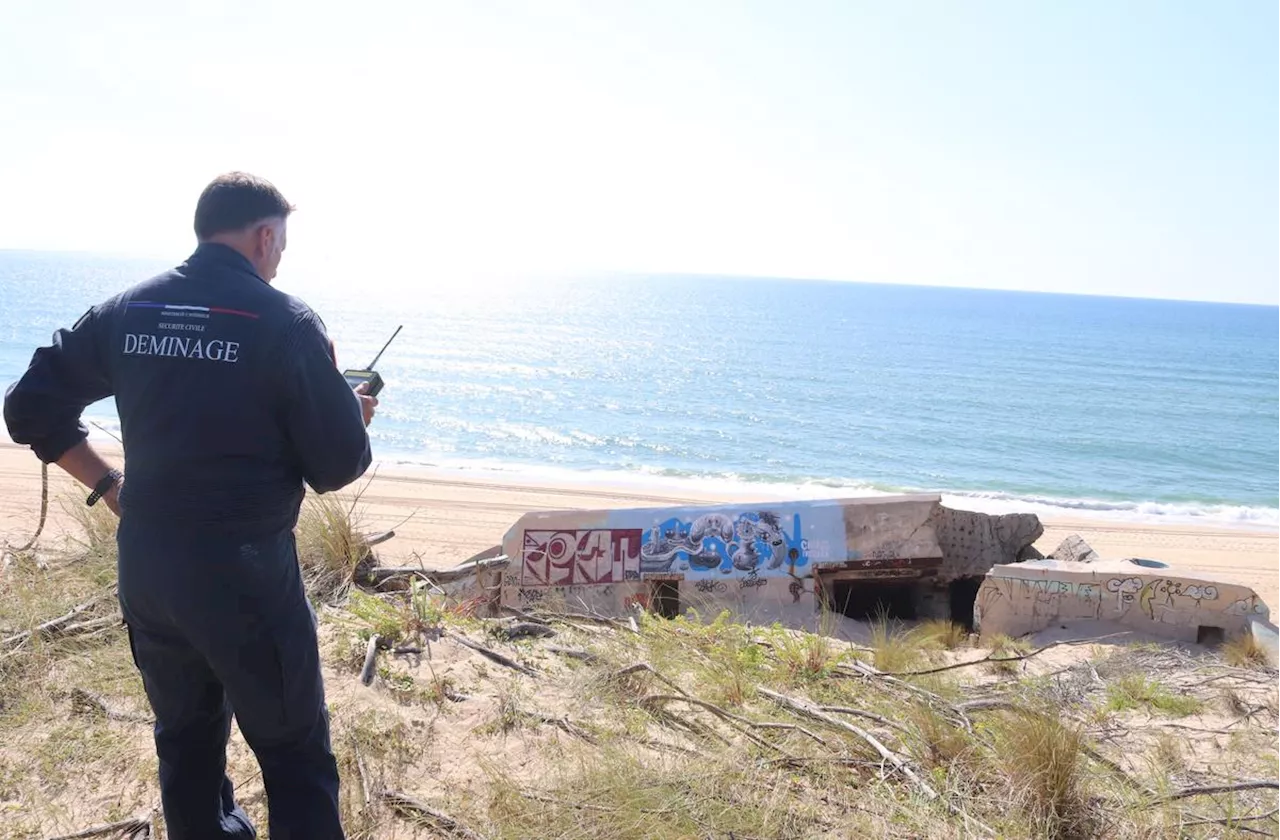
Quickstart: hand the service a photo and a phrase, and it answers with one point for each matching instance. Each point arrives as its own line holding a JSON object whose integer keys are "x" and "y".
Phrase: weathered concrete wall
{"x": 755, "y": 559}
{"x": 1028, "y": 597}
{"x": 973, "y": 542}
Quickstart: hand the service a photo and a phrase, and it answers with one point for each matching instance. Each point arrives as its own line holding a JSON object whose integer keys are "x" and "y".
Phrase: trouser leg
{"x": 192, "y": 725}
{"x": 271, "y": 670}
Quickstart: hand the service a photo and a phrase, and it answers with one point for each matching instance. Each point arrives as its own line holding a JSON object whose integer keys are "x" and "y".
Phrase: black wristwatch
{"x": 104, "y": 486}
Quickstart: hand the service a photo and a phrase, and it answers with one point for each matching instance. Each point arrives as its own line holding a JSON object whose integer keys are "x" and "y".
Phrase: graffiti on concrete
{"x": 754, "y": 543}
{"x": 1248, "y": 607}
{"x": 1024, "y": 603}
{"x": 580, "y": 558}
{"x": 1125, "y": 591}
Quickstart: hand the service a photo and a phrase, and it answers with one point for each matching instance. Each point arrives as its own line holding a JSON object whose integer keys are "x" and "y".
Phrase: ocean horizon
{"x": 1067, "y": 406}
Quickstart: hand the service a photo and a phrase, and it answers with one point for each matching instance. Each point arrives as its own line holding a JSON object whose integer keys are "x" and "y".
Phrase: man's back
{"x": 227, "y": 391}
{"x": 229, "y": 399}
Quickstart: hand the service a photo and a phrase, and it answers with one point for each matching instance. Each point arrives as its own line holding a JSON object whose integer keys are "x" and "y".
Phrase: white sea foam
{"x": 651, "y": 481}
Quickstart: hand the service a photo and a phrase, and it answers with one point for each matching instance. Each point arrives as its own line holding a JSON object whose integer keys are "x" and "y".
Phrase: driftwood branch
{"x": 578, "y": 616}
{"x": 55, "y": 626}
{"x": 409, "y": 807}
{"x": 131, "y": 827}
{"x": 845, "y": 710}
{"x": 655, "y": 700}
{"x": 991, "y": 657}
{"x": 364, "y": 776}
{"x": 493, "y": 655}
{"x": 580, "y": 655}
{"x": 641, "y": 666}
{"x": 563, "y": 724}
{"x": 1232, "y": 821}
{"x": 807, "y": 709}
{"x": 378, "y": 539}
{"x": 525, "y": 630}
{"x": 587, "y": 806}
{"x": 1208, "y": 790}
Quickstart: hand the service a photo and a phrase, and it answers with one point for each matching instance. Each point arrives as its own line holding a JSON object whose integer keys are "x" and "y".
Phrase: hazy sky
{"x": 1098, "y": 147}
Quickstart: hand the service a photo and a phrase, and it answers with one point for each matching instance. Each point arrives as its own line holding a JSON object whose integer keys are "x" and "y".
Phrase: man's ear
{"x": 265, "y": 239}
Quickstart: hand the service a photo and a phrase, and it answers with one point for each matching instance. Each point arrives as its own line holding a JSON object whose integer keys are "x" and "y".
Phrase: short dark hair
{"x": 235, "y": 200}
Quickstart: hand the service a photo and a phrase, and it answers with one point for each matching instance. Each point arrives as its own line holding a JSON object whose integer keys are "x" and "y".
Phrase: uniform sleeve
{"x": 322, "y": 416}
{"x": 42, "y": 409}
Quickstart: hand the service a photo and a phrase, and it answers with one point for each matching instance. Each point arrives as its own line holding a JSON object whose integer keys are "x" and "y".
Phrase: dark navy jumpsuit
{"x": 229, "y": 400}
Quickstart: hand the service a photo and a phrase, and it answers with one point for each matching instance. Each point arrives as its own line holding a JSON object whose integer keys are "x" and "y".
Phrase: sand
{"x": 442, "y": 518}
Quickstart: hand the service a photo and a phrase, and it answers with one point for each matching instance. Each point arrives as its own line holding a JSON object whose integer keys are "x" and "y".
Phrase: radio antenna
{"x": 385, "y": 346}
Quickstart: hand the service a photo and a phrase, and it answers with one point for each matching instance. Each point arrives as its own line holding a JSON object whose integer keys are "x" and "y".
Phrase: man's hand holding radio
{"x": 367, "y": 403}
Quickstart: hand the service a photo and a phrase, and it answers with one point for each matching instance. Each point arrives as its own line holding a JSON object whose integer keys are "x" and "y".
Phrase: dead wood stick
{"x": 665, "y": 745}
{"x": 801, "y": 760}
{"x": 1231, "y": 821}
{"x": 807, "y": 709}
{"x": 641, "y": 666}
{"x": 54, "y": 625}
{"x": 659, "y": 699}
{"x": 991, "y": 657}
{"x": 88, "y": 628}
{"x": 370, "y": 657}
{"x": 864, "y": 670}
{"x": 563, "y": 724}
{"x": 845, "y": 710}
{"x": 587, "y": 806}
{"x": 580, "y": 655}
{"x": 378, "y": 539}
{"x": 578, "y": 616}
{"x": 518, "y": 613}
{"x": 493, "y": 655}
{"x": 364, "y": 777}
{"x": 654, "y": 700}
{"x": 795, "y": 727}
{"x": 804, "y": 707}
{"x": 132, "y": 826}
{"x": 409, "y": 807}
{"x": 1212, "y": 789}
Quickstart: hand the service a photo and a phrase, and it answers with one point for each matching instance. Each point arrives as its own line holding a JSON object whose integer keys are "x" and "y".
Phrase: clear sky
{"x": 1090, "y": 146}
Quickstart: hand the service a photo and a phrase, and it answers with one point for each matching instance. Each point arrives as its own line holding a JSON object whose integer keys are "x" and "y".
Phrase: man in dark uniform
{"x": 229, "y": 399}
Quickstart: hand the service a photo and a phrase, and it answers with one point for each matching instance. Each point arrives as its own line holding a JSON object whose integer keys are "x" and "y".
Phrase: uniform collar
{"x": 224, "y": 255}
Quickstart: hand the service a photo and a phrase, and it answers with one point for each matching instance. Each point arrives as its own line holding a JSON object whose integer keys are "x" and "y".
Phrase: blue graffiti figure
{"x": 720, "y": 541}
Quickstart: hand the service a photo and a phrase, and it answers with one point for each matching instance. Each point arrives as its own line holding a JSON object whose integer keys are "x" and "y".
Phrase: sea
{"x": 1089, "y": 407}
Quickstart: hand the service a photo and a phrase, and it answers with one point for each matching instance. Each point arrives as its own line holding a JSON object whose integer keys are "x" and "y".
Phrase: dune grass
{"x": 695, "y": 727}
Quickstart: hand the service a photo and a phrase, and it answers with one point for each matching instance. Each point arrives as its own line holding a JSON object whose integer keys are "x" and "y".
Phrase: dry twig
{"x": 409, "y": 807}
{"x": 493, "y": 655}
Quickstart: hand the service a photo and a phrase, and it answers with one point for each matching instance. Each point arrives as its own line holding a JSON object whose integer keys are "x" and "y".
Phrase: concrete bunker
{"x": 900, "y": 557}
{"x": 890, "y": 556}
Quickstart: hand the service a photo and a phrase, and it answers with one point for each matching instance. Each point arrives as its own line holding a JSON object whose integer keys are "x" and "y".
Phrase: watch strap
{"x": 103, "y": 486}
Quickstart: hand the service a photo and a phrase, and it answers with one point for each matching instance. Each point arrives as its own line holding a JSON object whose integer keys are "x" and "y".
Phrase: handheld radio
{"x": 355, "y": 378}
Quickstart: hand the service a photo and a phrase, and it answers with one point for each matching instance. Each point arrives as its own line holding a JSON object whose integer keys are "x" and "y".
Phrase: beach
{"x": 443, "y": 517}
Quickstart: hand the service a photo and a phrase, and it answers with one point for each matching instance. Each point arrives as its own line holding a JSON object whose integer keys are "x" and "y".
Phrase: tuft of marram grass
{"x": 1244, "y": 651}
{"x": 942, "y": 633}
{"x": 330, "y": 548}
{"x": 1042, "y": 758}
{"x": 894, "y": 649}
